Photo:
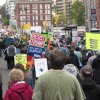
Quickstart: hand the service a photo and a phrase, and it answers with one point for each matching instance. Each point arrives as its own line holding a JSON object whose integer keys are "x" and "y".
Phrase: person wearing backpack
{"x": 11, "y": 51}
{"x": 18, "y": 90}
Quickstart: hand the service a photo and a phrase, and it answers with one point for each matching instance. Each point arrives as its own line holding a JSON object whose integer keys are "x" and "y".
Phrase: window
{"x": 22, "y": 18}
{"x": 47, "y": 17}
{"x": 36, "y": 23}
{"x": 28, "y": 6}
{"x": 47, "y": 11}
{"x": 35, "y": 6}
{"x": 20, "y": 12}
{"x": 28, "y": 11}
{"x": 35, "y": 11}
{"x": 28, "y": 18}
{"x": 41, "y": 17}
{"x": 40, "y": 6}
{"x": 41, "y": 11}
{"x": 47, "y": 6}
{"x": 35, "y": 17}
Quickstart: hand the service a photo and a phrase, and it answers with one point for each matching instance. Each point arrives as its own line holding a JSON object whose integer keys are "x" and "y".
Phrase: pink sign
{"x": 37, "y": 40}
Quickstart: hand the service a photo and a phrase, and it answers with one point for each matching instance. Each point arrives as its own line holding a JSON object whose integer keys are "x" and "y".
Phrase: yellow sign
{"x": 26, "y": 26}
{"x": 21, "y": 58}
{"x": 93, "y": 41}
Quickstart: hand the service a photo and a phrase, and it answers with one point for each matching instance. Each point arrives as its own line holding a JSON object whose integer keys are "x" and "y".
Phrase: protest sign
{"x": 46, "y": 36}
{"x": 21, "y": 58}
{"x": 93, "y": 41}
{"x": 40, "y": 66}
{"x": 35, "y": 50}
{"x": 26, "y": 26}
{"x": 37, "y": 40}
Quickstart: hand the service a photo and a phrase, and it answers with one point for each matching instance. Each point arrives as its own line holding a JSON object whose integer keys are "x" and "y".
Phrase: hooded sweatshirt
{"x": 91, "y": 89}
{"x": 19, "y": 91}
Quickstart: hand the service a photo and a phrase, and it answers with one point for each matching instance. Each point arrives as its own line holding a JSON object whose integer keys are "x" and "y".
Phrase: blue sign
{"x": 35, "y": 50}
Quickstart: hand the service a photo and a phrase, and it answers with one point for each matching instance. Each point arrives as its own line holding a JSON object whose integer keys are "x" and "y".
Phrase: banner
{"x": 37, "y": 40}
{"x": 40, "y": 66}
{"x": 93, "y": 41}
{"x": 21, "y": 58}
{"x": 35, "y": 50}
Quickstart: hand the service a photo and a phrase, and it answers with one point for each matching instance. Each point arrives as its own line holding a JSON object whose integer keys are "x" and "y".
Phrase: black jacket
{"x": 96, "y": 67}
{"x": 91, "y": 89}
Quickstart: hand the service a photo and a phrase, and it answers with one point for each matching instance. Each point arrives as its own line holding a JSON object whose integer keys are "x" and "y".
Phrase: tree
{"x": 5, "y": 21}
{"x": 78, "y": 13}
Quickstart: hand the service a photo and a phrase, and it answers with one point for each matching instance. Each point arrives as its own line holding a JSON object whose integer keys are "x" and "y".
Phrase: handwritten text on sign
{"x": 37, "y": 40}
{"x": 40, "y": 66}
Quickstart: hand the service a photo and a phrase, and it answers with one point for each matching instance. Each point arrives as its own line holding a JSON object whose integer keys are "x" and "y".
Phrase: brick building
{"x": 98, "y": 13}
{"x": 33, "y": 12}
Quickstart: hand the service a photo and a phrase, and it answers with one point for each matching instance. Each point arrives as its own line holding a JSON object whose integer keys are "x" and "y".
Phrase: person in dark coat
{"x": 96, "y": 67}
{"x": 90, "y": 88}
{"x": 1, "y": 47}
{"x": 73, "y": 58}
{"x": 10, "y": 52}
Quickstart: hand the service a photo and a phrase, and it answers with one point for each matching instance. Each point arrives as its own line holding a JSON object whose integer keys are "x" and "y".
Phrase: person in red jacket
{"x": 18, "y": 89}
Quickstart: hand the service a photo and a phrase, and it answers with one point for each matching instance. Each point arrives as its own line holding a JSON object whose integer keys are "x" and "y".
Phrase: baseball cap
{"x": 86, "y": 70}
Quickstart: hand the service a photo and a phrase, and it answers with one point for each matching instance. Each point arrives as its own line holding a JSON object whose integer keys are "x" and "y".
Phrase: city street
{"x": 4, "y": 71}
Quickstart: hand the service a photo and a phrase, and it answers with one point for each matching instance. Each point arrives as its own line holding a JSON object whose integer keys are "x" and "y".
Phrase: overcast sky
{"x": 2, "y": 2}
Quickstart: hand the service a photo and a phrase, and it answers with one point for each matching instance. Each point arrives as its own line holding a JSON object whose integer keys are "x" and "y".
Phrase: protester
{"x": 96, "y": 68}
{"x": 1, "y": 47}
{"x": 18, "y": 90}
{"x": 90, "y": 88}
{"x": 10, "y": 53}
{"x": 79, "y": 55}
{"x": 29, "y": 74}
{"x": 90, "y": 59}
{"x": 57, "y": 84}
{"x": 72, "y": 69}
{"x": 73, "y": 58}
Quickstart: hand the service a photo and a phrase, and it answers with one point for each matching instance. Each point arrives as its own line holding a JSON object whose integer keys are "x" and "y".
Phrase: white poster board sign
{"x": 40, "y": 66}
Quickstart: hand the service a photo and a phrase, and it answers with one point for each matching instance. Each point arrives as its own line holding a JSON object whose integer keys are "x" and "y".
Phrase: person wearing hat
{"x": 90, "y": 88}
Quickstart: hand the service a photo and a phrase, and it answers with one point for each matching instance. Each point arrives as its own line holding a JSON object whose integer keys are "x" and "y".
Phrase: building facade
{"x": 98, "y": 13}
{"x": 33, "y": 12}
{"x": 10, "y": 7}
{"x": 90, "y": 14}
{"x": 63, "y": 9}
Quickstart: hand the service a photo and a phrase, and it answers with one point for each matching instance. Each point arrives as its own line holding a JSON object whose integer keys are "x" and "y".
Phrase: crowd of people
{"x": 70, "y": 75}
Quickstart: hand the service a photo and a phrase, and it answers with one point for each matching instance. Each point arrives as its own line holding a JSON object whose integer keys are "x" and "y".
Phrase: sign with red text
{"x": 37, "y": 40}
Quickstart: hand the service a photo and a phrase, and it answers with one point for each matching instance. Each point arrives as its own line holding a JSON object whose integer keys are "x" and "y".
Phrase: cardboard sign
{"x": 21, "y": 58}
{"x": 35, "y": 50}
{"x": 93, "y": 41}
{"x": 37, "y": 40}
{"x": 40, "y": 66}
